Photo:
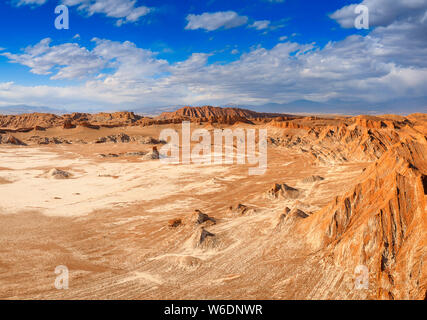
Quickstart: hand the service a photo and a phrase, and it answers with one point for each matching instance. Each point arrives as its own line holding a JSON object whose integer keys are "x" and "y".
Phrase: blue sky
{"x": 124, "y": 54}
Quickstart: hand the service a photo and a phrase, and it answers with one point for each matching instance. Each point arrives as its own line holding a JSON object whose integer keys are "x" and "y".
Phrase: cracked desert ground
{"x": 127, "y": 227}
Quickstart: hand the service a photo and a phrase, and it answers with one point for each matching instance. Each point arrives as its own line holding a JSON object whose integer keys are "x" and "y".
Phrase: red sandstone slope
{"x": 381, "y": 223}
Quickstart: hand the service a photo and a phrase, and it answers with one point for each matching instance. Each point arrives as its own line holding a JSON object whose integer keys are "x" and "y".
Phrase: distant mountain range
{"x": 154, "y": 111}
{"x": 21, "y": 108}
{"x": 396, "y": 106}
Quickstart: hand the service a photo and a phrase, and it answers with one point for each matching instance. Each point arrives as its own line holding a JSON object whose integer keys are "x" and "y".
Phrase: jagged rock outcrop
{"x": 46, "y": 140}
{"x": 59, "y": 174}
{"x": 205, "y": 234}
{"x": 9, "y": 139}
{"x": 87, "y": 124}
{"x": 240, "y": 210}
{"x": 203, "y": 218}
{"x": 203, "y": 239}
{"x": 282, "y": 191}
{"x": 288, "y": 218}
{"x": 68, "y": 124}
{"x": 174, "y": 223}
{"x": 152, "y": 155}
{"x": 150, "y": 140}
{"x": 312, "y": 179}
{"x": 121, "y": 137}
{"x": 134, "y": 154}
{"x": 109, "y": 155}
{"x": 124, "y": 138}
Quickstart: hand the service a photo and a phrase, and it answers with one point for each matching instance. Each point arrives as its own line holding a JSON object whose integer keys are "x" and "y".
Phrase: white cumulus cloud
{"x": 125, "y": 11}
{"x": 260, "y": 25}
{"x": 65, "y": 61}
{"x": 29, "y": 2}
{"x": 382, "y": 12}
{"x": 214, "y": 21}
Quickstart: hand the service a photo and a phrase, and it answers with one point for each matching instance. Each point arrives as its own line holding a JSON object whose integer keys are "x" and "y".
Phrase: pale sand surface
{"x": 92, "y": 185}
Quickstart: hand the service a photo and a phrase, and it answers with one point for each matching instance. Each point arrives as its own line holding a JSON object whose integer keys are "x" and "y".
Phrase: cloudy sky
{"x": 127, "y": 54}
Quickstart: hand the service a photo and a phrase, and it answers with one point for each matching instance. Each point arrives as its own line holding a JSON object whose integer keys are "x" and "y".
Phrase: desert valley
{"x": 89, "y": 192}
